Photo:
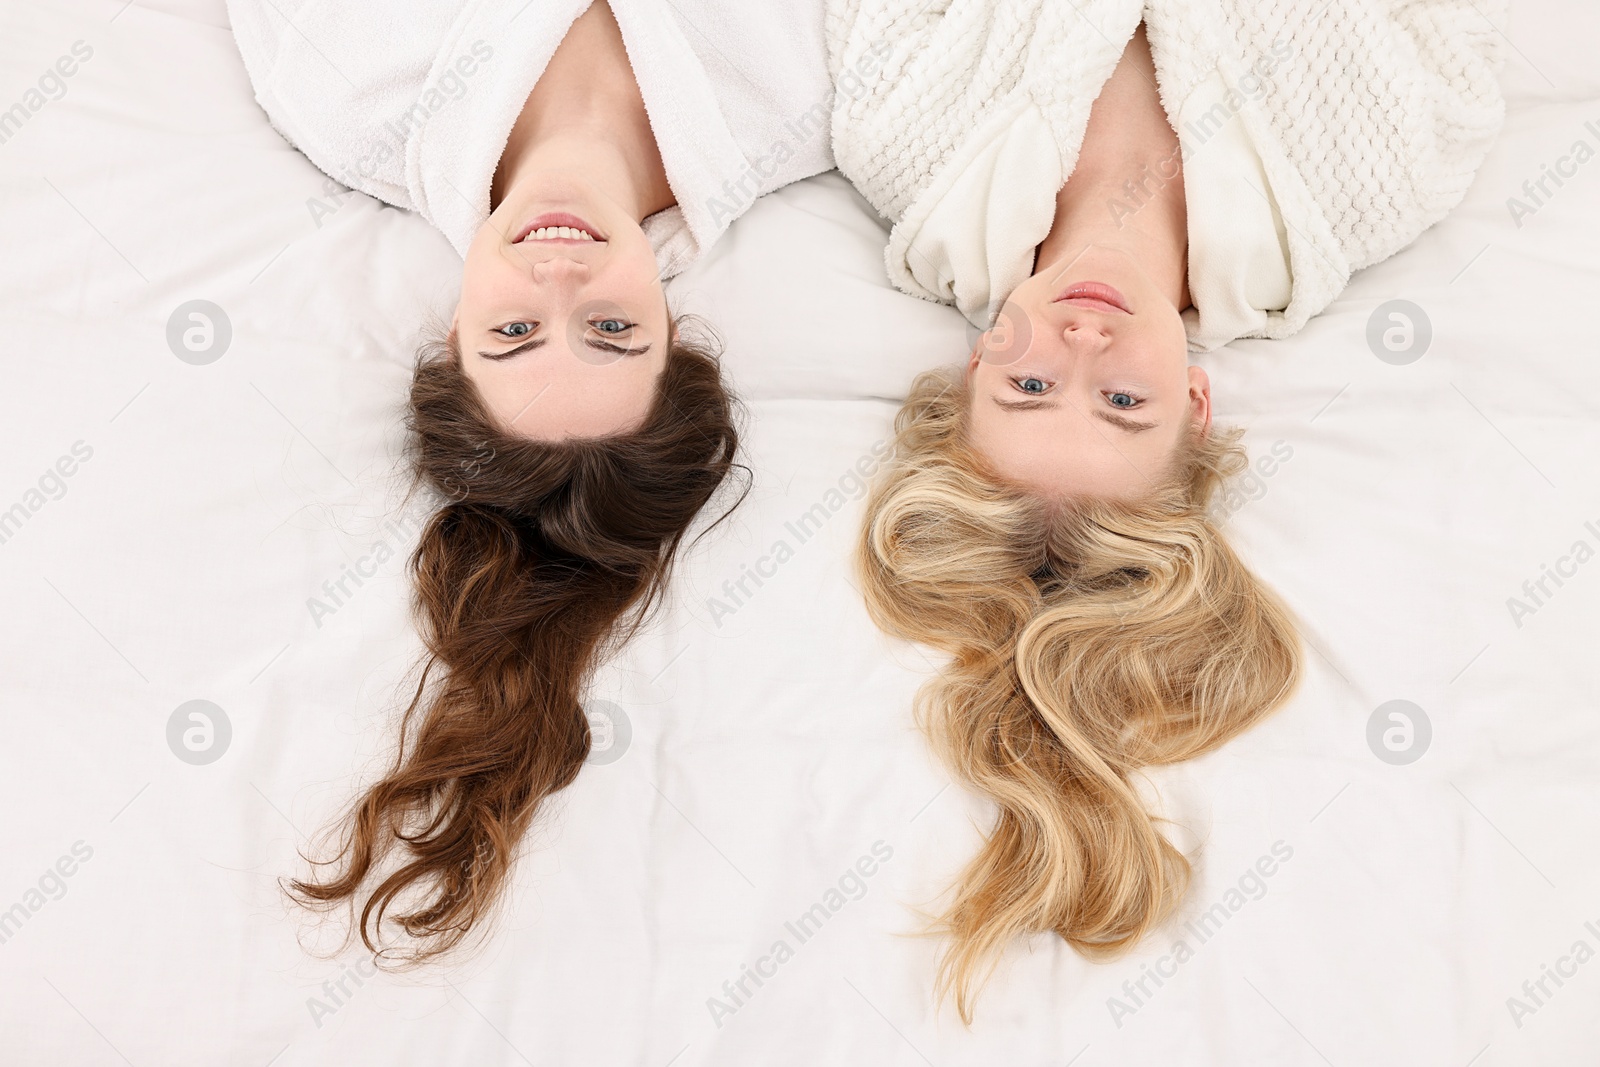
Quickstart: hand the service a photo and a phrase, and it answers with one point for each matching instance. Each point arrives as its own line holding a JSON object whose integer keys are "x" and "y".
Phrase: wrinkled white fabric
{"x": 413, "y": 102}
{"x": 1369, "y": 127}
{"x": 1238, "y": 243}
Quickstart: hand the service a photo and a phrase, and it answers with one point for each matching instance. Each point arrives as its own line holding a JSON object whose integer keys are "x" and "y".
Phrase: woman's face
{"x": 563, "y": 331}
{"x": 1077, "y": 394}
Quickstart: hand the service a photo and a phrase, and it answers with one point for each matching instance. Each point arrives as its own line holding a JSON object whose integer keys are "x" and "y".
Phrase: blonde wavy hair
{"x": 1087, "y": 639}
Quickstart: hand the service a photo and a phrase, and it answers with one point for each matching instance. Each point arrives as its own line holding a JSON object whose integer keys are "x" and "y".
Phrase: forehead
{"x": 1064, "y": 452}
{"x": 578, "y": 399}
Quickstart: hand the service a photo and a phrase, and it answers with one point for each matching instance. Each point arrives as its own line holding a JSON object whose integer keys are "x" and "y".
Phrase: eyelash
{"x": 1137, "y": 399}
{"x": 501, "y": 330}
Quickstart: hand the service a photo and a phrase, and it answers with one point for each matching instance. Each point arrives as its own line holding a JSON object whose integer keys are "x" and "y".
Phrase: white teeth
{"x": 551, "y": 233}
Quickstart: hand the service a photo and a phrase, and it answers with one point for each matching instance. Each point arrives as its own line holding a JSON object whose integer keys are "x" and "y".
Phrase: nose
{"x": 560, "y": 272}
{"x": 1085, "y": 332}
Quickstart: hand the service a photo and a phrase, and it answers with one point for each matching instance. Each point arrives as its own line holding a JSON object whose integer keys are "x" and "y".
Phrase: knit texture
{"x": 1370, "y": 132}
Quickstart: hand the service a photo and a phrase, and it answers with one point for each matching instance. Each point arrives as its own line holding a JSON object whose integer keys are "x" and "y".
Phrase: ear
{"x": 973, "y": 361}
{"x": 1200, "y": 400}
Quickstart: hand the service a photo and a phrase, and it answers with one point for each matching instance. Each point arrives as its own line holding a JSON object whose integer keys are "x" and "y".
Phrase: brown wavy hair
{"x": 541, "y": 559}
{"x": 1087, "y": 639}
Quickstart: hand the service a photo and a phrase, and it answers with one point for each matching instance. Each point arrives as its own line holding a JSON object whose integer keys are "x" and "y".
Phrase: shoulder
{"x": 341, "y": 81}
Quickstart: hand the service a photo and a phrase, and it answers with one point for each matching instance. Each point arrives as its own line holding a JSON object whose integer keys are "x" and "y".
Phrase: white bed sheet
{"x": 772, "y": 746}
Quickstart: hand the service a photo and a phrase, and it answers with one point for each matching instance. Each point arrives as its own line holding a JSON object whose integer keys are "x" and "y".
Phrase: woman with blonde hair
{"x": 575, "y": 154}
{"x": 1100, "y": 188}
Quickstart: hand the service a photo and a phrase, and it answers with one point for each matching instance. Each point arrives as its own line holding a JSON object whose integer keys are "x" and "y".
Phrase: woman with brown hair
{"x": 1097, "y": 200}
{"x": 575, "y": 156}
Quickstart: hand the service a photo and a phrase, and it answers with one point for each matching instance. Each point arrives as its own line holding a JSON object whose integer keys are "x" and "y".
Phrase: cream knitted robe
{"x": 966, "y": 121}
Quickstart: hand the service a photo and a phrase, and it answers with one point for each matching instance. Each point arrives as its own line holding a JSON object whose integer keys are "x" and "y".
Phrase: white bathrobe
{"x": 1317, "y": 138}
{"x": 413, "y": 101}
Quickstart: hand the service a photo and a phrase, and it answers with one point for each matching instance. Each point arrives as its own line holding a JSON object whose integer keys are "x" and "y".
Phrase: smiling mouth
{"x": 559, "y": 229}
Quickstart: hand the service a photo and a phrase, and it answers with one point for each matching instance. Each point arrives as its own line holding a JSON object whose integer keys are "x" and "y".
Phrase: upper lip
{"x": 557, "y": 218}
{"x": 1095, "y": 291}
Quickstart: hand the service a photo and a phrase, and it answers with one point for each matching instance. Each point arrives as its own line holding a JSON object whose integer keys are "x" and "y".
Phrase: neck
{"x": 1101, "y": 208}
{"x": 585, "y": 122}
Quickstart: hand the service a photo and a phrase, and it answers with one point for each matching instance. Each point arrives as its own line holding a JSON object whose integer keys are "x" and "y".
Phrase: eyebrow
{"x": 1119, "y": 421}
{"x": 524, "y": 347}
{"x": 1123, "y": 423}
{"x": 607, "y": 346}
{"x": 595, "y": 343}
{"x": 1025, "y": 405}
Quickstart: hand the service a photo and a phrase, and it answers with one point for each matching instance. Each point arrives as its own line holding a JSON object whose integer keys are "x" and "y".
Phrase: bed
{"x": 203, "y": 530}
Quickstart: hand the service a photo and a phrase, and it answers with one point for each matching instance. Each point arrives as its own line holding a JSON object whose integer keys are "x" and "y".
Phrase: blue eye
{"x": 1032, "y": 385}
{"x": 515, "y": 329}
{"x": 1123, "y": 400}
{"x": 613, "y": 326}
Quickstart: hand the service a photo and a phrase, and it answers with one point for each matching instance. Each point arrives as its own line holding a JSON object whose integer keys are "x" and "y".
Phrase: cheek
{"x": 1176, "y": 337}
{"x": 1008, "y": 340}
{"x": 477, "y": 284}
{"x": 629, "y": 284}
{"x": 642, "y": 280}
{"x": 493, "y": 292}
